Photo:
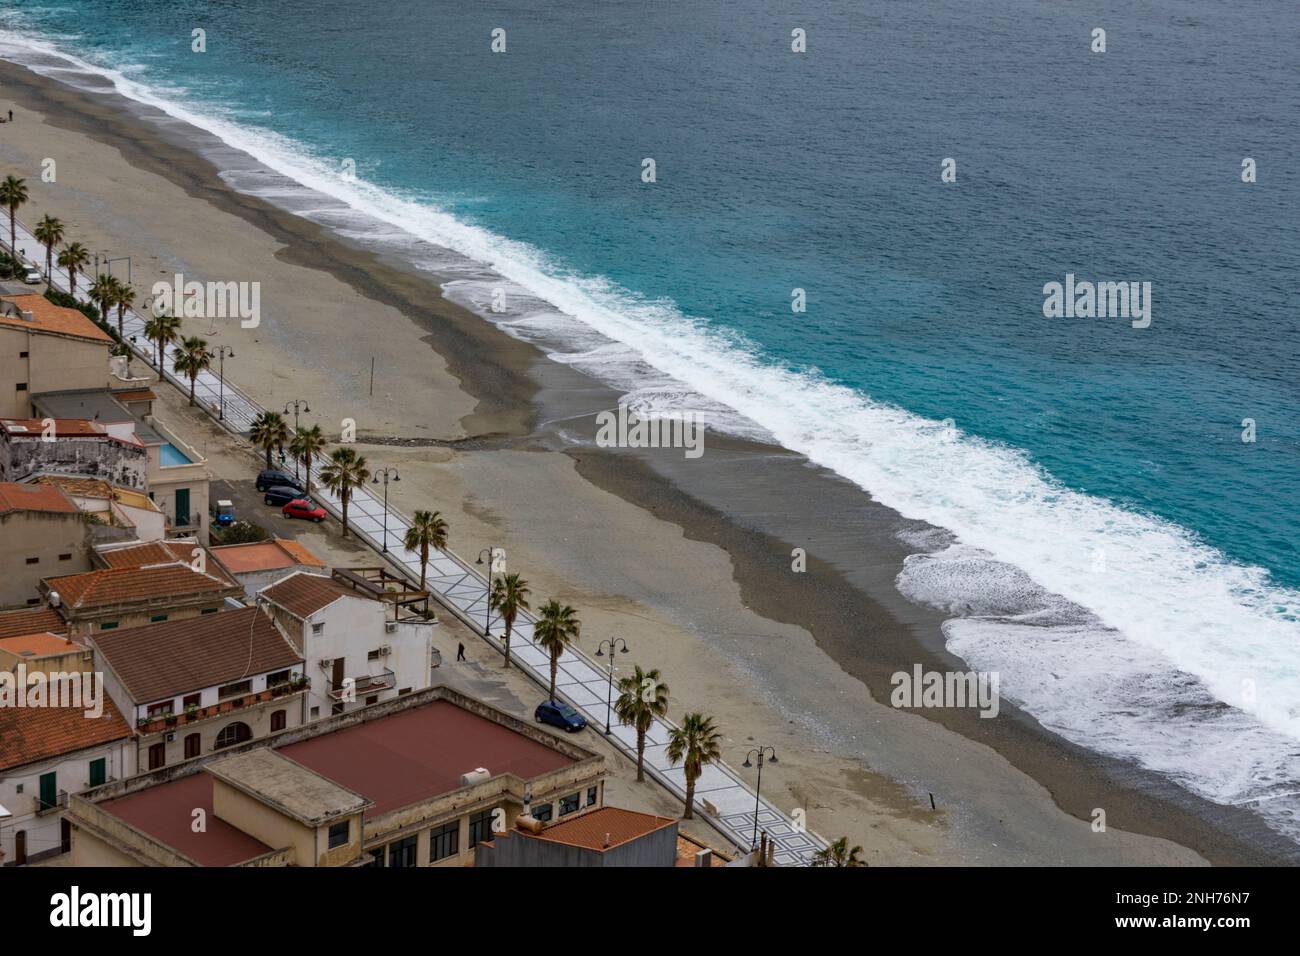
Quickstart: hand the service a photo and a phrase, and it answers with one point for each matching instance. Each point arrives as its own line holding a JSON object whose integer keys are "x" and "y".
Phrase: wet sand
{"x": 689, "y": 561}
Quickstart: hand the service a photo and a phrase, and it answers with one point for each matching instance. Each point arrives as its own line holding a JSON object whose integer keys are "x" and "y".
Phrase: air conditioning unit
{"x": 170, "y": 737}
{"x": 385, "y": 650}
{"x": 390, "y": 626}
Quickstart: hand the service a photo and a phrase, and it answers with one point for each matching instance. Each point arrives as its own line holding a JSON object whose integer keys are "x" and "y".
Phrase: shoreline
{"x": 513, "y": 385}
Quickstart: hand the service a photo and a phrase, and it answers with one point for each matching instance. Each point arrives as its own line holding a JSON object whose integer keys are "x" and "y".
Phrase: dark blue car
{"x": 559, "y": 714}
{"x": 280, "y": 495}
{"x": 273, "y": 478}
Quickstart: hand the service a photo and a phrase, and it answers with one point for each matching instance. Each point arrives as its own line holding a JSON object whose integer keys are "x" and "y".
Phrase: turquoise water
{"x": 169, "y": 455}
{"x": 1105, "y": 461}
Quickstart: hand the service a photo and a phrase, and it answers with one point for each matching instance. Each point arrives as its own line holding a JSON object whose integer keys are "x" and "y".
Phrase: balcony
{"x": 362, "y": 686}
{"x": 60, "y": 803}
{"x": 153, "y": 725}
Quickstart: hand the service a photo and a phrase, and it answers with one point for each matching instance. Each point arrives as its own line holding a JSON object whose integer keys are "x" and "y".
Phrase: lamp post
{"x": 300, "y": 404}
{"x": 609, "y": 692}
{"x": 223, "y": 352}
{"x": 487, "y": 610}
{"x": 761, "y": 752}
{"x": 386, "y": 474}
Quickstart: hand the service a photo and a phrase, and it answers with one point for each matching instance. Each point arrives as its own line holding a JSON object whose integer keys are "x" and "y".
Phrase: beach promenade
{"x": 722, "y": 797}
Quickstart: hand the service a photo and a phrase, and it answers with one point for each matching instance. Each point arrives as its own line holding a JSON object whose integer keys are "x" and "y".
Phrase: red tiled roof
{"x": 52, "y": 319}
{"x": 417, "y": 754}
{"x": 304, "y": 594}
{"x": 63, "y": 428}
{"x": 265, "y": 556}
{"x": 591, "y": 830}
{"x": 164, "y": 660}
{"x": 30, "y": 620}
{"x": 165, "y": 812}
{"x": 125, "y": 585}
{"x": 15, "y": 497}
{"x": 146, "y": 553}
{"x": 31, "y": 734}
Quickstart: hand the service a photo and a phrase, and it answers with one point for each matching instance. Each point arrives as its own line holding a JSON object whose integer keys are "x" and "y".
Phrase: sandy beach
{"x": 690, "y": 565}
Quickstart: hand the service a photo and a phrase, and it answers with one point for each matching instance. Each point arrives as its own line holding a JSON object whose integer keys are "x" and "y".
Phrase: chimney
{"x": 704, "y": 857}
{"x": 606, "y": 841}
{"x": 28, "y": 315}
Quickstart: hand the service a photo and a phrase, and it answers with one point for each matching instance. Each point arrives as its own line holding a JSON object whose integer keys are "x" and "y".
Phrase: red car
{"x": 304, "y": 508}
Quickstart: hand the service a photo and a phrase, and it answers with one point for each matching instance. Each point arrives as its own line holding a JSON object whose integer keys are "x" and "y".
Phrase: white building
{"x": 352, "y": 652}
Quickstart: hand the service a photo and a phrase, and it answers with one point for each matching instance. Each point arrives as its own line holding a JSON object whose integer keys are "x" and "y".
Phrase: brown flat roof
{"x": 265, "y": 556}
{"x": 30, "y": 620}
{"x": 602, "y": 829}
{"x": 420, "y": 753}
{"x": 41, "y": 644}
{"x": 164, "y": 812}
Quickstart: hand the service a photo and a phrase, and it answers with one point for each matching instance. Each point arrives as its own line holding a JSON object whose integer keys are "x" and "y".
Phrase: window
{"x": 22, "y": 386}
{"x": 569, "y": 804}
{"x": 158, "y": 710}
{"x": 279, "y": 720}
{"x": 157, "y": 618}
{"x": 542, "y": 812}
{"x": 210, "y": 610}
{"x": 318, "y": 628}
{"x": 237, "y": 689}
{"x": 157, "y": 756}
{"x": 65, "y": 557}
{"x": 403, "y": 692}
{"x": 192, "y": 700}
{"x": 372, "y": 699}
{"x": 315, "y": 713}
{"x": 336, "y": 709}
{"x": 372, "y": 656}
{"x": 98, "y": 771}
{"x": 279, "y": 677}
{"x": 23, "y": 354}
{"x": 444, "y": 841}
{"x": 193, "y": 745}
{"x": 591, "y": 796}
{"x": 108, "y": 625}
{"x": 232, "y": 734}
{"x": 480, "y": 828}
{"x": 340, "y": 833}
{"x": 33, "y": 560}
{"x": 49, "y": 790}
{"x": 402, "y": 852}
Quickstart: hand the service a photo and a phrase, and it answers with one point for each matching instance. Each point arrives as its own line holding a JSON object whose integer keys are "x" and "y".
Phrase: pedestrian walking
{"x": 460, "y": 652}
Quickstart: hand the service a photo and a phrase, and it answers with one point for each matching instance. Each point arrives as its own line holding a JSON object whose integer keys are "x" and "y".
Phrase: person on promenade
{"x": 460, "y": 652}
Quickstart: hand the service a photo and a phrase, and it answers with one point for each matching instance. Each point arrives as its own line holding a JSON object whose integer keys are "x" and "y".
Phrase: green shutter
{"x": 182, "y": 507}
{"x": 98, "y": 771}
{"x": 49, "y": 790}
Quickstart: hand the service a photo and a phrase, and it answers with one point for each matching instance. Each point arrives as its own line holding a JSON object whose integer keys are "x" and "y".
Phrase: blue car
{"x": 559, "y": 714}
{"x": 280, "y": 494}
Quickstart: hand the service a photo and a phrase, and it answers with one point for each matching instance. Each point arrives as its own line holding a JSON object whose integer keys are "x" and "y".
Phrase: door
{"x": 20, "y": 847}
{"x": 49, "y": 790}
{"x": 98, "y": 771}
{"x": 65, "y": 836}
{"x": 157, "y": 756}
{"x": 192, "y": 745}
{"x": 182, "y": 507}
{"x": 337, "y": 677}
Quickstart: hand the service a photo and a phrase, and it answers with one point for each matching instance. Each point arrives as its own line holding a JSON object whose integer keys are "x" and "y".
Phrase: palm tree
{"x": 123, "y": 298}
{"x": 102, "y": 293}
{"x": 268, "y": 432}
{"x": 73, "y": 257}
{"x": 191, "y": 358}
{"x": 306, "y": 444}
{"x": 49, "y": 232}
{"x": 162, "y": 330}
{"x": 13, "y": 193}
{"x": 642, "y": 697}
{"x": 556, "y": 629}
{"x": 839, "y": 854}
{"x": 697, "y": 743}
{"x": 427, "y": 530}
{"x": 509, "y": 596}
{"x": 345, "y": 472}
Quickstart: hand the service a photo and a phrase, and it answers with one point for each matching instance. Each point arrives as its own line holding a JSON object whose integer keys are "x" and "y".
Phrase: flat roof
{"x": 296, "y": 791}
{"x": 602, "y": 829}
{"x": 87, "y": 404}
{"x": 165, "y": 812}
{"x": 265, "y": 556}
{"x": 420, "y": 753}
{"x": 41, "y": 644}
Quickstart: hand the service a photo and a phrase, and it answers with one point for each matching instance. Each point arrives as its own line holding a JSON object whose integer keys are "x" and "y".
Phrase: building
{"x": 355, "y": 656}
{"x": 71, "y": 446}
{"x": 43, "y": 533}
{"x": 261, "y": 563}
{"x": 133, "y": 593}
{"x": 196, "y": 686}
{"x": 115, "y": 513}
{"x": 46, "y": 653}
{"x": 46, "y": 347}
{"x": 608, "y": 836}
{"x": 47, "y": 753}
{"x": 421, "y": 780}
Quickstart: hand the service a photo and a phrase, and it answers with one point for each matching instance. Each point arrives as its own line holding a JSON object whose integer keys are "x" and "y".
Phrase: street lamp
{"x": 487, "y": 610}
{"x": 386, "y": 474}
{"x": 600, "y": 652}
{"x": 223, "y": 352}
{"x": 761, "y": 752}
{"x": 298, "y": 404}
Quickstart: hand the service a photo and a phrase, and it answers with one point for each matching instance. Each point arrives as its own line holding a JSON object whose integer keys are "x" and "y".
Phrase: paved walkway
{"x": 460, "y": 588}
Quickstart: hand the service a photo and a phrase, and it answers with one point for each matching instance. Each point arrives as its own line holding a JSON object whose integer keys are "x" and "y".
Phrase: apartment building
{"x": 260, "y": 564}
{"x": 46, "y": 347}
{"x": 72, "y": 446}
{"x": 43, "y": 533}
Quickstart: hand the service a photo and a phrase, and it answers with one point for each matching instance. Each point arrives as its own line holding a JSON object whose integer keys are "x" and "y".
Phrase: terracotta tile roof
{"x": 51, "y": 319}
{"x": 40, "y": 644}
{"x": 157, "y": 661}
{"x": 15, "y": 497}
{"x": 591, "y": 830}
{"x": 30, "y": 620}
{"x": 147, "y": 553}
{"x": 31, "y": 734}
{"x": 112, "y": 586}
{"x": 304, "y": 594}
{"x": 265, "y": 556}
{"x": 63, "y": 428}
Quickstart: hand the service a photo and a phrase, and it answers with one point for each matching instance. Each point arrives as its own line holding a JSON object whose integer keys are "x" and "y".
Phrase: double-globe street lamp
{"x": 609, "y": 692}
{"x": 298, "y": 405}
{"x": 491, "y": 553}
{"x": 387, "y": 474}
{"x": 761, "y": 752}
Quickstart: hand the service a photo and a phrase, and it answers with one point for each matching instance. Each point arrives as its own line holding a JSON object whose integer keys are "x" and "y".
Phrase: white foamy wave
{"x": 1178, "y": 604}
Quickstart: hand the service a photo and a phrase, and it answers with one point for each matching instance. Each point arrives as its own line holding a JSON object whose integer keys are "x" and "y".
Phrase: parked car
{"x": 304, "y": 508}
{"x": 281, "y": 494}
{"x": 273, "y": 478}
{"x": 222, "y": 512}
{"x": 33, "y": 277}
{"x": 559, "y": 714}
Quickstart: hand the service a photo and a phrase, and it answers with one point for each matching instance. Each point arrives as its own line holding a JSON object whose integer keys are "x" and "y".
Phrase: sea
{"x": 829, "y": 224}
